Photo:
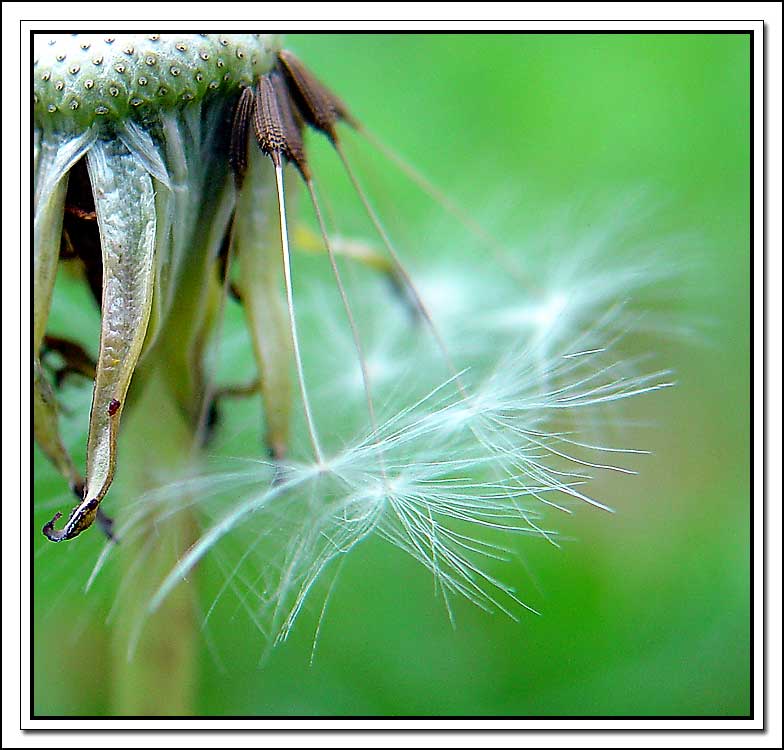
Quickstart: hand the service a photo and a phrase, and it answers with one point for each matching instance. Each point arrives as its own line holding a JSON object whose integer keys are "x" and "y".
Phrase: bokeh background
{"x": 647, "y": 611}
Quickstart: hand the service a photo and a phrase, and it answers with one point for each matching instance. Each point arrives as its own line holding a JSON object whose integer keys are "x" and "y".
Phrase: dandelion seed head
{"x": 447, "y": 461}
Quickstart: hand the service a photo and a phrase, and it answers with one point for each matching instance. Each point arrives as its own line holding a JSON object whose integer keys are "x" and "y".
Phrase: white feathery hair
{"x": 453, "y": 472}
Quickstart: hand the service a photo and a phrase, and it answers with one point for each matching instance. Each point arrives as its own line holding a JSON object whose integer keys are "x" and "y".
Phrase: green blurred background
{"x": 647, "y": 612}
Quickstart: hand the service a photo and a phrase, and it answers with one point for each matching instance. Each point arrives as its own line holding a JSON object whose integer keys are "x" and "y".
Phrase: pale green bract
{"x": 147, "y": 114}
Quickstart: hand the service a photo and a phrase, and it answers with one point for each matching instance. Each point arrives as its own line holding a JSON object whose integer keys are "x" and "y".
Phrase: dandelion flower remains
{"x": 161, "y": 168}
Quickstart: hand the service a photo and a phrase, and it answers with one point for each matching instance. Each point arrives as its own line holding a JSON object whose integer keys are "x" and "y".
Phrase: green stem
{"x": 155, "y": 669}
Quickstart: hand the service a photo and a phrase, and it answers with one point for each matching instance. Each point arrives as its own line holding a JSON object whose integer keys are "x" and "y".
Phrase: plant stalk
{"x": 154, "y": 655}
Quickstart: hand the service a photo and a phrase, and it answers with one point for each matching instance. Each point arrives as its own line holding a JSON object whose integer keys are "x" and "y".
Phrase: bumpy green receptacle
{"x": 83, "y": 78}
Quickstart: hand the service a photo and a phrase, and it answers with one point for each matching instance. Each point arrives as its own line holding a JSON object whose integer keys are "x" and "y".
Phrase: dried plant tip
{"x": 79, "y": 521}
{"x": 319, "y": 106}
{"x": 81, "y": 518}
{"x": 277, "y": 131}
{"x": 49, "y": 530}
{"x": 238, "y": 148}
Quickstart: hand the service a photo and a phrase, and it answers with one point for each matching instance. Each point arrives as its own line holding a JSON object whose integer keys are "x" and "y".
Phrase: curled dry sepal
{"x": 132, "y": 159}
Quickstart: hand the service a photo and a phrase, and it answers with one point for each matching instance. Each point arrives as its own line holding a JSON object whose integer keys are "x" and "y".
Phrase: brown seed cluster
{"x": 279, "y": 106}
